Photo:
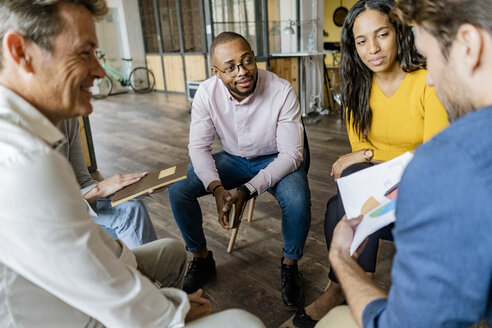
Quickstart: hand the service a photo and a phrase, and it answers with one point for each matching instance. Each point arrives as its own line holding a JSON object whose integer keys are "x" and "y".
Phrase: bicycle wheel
{"x": 102, "y": 88}
{"x": 142, "y": 80}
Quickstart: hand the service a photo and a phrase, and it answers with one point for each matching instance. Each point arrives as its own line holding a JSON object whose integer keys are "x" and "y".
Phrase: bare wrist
{"x": 92, "y": 194}
{"x": 338, "y": 256}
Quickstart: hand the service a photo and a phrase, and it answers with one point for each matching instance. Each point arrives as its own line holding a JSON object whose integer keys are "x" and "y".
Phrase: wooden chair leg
{"x": 234, "y": 231}
{"x": 251, "y": 209}
{"x": 233, "y": 239}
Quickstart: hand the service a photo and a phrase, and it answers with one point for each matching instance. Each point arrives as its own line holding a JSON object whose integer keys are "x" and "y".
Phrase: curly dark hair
{"x": 356, "y": 77}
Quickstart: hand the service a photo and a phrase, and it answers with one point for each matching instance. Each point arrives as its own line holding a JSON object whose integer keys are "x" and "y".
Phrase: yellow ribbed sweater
{"x": 400, "y": 123}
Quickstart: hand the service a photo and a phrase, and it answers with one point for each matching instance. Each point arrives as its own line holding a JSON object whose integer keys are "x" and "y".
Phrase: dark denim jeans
{"x": 292, "y": 193}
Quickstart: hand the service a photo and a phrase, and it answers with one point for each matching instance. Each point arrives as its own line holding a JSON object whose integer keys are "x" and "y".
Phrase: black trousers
{"x": 334, "y": 213}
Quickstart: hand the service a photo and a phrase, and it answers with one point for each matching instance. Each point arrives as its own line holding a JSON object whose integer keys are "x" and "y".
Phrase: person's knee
{"x": 186, "y": 189}
{"x": 339, "y": 316}
{"x": 169, "y": 247}
{"x": 355, "y": 168}
{"x": 136, "y": 208}
{"x": 242, "y": 319}
{"x": 175, "y": 247}
{"x": 293, "y": 192}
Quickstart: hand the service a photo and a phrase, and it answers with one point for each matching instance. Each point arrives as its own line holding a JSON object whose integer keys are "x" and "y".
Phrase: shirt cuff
{"x": 372, "y": 311}
{"x": 85, "y": 190}
{"x": 91, "y": 208}
{"x": 258, "y": 184}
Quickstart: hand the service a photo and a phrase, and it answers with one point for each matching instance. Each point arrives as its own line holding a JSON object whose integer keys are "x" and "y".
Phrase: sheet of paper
{"x": 363, "y": 193}
{"x": 358, "y": 188}
{"x": 379, "y": 217}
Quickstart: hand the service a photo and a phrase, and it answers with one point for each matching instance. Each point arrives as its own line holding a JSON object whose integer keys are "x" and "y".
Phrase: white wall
{"x": 127, "y": 36}
{"x": 288, "y": 42}
{"x": 312, "y": 13}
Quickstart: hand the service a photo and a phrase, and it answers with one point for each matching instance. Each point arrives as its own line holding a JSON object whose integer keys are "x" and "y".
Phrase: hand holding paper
{"x": 372, "y": 193}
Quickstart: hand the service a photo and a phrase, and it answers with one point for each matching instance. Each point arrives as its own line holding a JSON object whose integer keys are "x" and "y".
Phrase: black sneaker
{"x": 199, "y": 271}
{"x": 292, "y": 292}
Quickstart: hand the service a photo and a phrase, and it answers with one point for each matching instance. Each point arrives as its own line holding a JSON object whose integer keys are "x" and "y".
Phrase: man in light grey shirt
{"x": 57, "y": 267}
{"x": 129, "y": 221}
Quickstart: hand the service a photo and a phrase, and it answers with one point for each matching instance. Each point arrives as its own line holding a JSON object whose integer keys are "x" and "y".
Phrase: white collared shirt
{"x": 266, "y": 122}
{"x": 57, "y": 267}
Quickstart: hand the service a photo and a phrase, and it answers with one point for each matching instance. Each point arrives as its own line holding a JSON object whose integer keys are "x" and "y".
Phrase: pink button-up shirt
{"x": 266, "y": 122}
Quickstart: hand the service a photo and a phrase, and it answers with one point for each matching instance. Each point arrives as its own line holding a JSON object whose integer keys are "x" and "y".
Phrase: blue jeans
{"x": 128, "y": 221}
{"x": 292, "y": 193}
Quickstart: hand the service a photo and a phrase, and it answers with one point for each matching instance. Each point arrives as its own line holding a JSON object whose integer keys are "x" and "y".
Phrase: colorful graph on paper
{"x": 391, "y": 206}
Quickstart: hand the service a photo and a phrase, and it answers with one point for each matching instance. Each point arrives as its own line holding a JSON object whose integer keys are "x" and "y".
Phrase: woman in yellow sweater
{"x": 390, "y": 110}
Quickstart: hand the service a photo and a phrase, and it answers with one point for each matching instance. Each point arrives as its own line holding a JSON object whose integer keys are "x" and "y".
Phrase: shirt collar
{"x": 22, "y": 113}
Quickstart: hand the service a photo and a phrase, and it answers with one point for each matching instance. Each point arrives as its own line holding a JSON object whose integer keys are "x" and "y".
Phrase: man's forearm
{"x": 358, "y": 287}
{"x": 92, "y": 195}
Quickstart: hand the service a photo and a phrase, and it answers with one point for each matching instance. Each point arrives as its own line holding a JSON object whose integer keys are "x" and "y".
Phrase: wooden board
{"x": 287, "y": 68}
{"x": 154, "y": 64}
{"x": 195, "y": 68}
{"x": 173, "y": 69}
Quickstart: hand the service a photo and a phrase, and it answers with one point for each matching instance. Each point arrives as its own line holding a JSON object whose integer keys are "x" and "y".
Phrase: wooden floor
{"x": 148, "y": 132}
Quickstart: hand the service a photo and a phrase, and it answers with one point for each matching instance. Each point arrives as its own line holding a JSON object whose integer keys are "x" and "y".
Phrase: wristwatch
{"x": 248, "y": 190}
{"x": 368, "y": 154}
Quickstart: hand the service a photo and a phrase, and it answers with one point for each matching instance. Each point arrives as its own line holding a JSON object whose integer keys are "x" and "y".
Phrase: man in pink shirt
{"x": 257, "y": 118}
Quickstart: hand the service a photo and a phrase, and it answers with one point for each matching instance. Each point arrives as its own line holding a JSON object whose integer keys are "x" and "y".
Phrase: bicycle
{"x": 140, "y": 79}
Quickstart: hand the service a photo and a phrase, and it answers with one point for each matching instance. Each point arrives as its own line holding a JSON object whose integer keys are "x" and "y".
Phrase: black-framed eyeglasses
{"x": 232, "y": 70}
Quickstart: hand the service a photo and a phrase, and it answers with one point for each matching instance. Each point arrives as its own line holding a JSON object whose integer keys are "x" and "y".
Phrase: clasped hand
{"x": 224, "y": 201}
{"x": 199, "y": 306}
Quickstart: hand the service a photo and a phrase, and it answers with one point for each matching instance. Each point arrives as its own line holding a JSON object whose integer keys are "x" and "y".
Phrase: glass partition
{"x": 169, "y": 25}
{"x": 236, "y": 16}
{"x": 191, "y": 17}
{"x": 147, "y": 14}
